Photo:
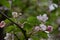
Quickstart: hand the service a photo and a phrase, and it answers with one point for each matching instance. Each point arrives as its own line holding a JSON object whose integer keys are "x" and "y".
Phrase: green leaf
{"x": 27, "y": 27}
{"x": 7, "y": 21}
{"x": 42, "y": 34}
{"x": 55, "y": 1}
{"x": 16, "y": 30}
{"x": 22, "y": 20}
{"x": 19, "y": 3}
{"x": 5, "y": 3}
{"x": 33, "y": 21}
{"x": 55, "y": 31}
{"x": 35, "y": 38}
{"x": 9, "y": 28}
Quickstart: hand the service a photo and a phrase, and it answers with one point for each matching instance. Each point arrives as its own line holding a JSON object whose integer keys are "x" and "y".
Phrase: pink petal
{"x": 2, "y": 24}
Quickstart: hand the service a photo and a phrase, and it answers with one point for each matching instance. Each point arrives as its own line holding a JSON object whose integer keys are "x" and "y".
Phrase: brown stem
{"x": 23, "y": 31}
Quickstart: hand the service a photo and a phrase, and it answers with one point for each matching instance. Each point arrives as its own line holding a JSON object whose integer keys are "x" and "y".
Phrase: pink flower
{"x": 2, "y": 24}
{"x": 49, "y": 28}
{"x": 37, "y": 28}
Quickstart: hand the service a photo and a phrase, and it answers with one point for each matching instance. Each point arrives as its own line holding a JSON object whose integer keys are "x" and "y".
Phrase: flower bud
{"x": 2, "y": 24}
{"x": 49, "y": 28}
{"x": 37, "y": 28}
{"x": 14, "y": 14}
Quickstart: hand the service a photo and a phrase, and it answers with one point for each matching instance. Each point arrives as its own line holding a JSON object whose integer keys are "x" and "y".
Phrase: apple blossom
{"x": 37, "y": 28}
{"x": 39, "y": 17}
{"x": 43, "y": 27}
{"x": 49, "y": 28}
{"x": 2, "y": 24}
{"x": 43, "y": 18}
{"x": 7, "y": 36}
{"x": 52, "y": 7}
{"x": 14, "y": 14}
{"x": 55, "y": 5}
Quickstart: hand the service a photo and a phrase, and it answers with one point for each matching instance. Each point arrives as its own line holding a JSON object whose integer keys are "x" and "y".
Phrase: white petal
{"x": 43, "y": 27}
{"x": 20, "y": 13}
{"x": 55, "y": 5}
{"x": 47, "y": 31}
{"x": 8, "y": 34}
{"x": 44, "y": 15}
{"x": 14, "y": 14}
{"x": 43, "y": 18}
{"x": 30, "y": 39}
{"x": 39, "y": 17}
{"x": 5, "y": 38}
{"x": 51, "y": 7}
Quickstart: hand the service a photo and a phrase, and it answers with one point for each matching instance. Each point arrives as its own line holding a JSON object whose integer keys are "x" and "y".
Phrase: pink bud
{"x": 37, "y": 28}
{"x": 49, "y": 28}
{"x": 2, "y": 24}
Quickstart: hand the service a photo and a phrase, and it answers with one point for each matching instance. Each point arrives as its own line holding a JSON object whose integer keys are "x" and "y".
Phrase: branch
{"x": 16, "y": 36}
{"x": 23, "y": 31}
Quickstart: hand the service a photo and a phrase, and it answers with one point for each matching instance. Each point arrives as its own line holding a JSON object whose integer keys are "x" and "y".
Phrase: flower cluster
{"x": 15, "y": 14}
{"x": 42, "y": 26}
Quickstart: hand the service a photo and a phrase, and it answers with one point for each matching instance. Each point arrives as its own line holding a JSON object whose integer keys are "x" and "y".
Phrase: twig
{"x": 23, "y": 31}
{"x": 16, "y": 36}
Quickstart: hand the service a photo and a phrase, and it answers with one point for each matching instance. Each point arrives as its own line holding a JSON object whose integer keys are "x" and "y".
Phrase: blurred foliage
{"x": 31, "y": 8}
{"x": 5, "y": 3}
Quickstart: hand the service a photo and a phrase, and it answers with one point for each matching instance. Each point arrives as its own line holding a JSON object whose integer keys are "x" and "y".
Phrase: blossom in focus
{"x": 43, "y": 27}
{"x": 43, "y": 17}
{"x": 2, "y": 24}
{"x": 14, "y": 14}
{"x": 52, "y": 7}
